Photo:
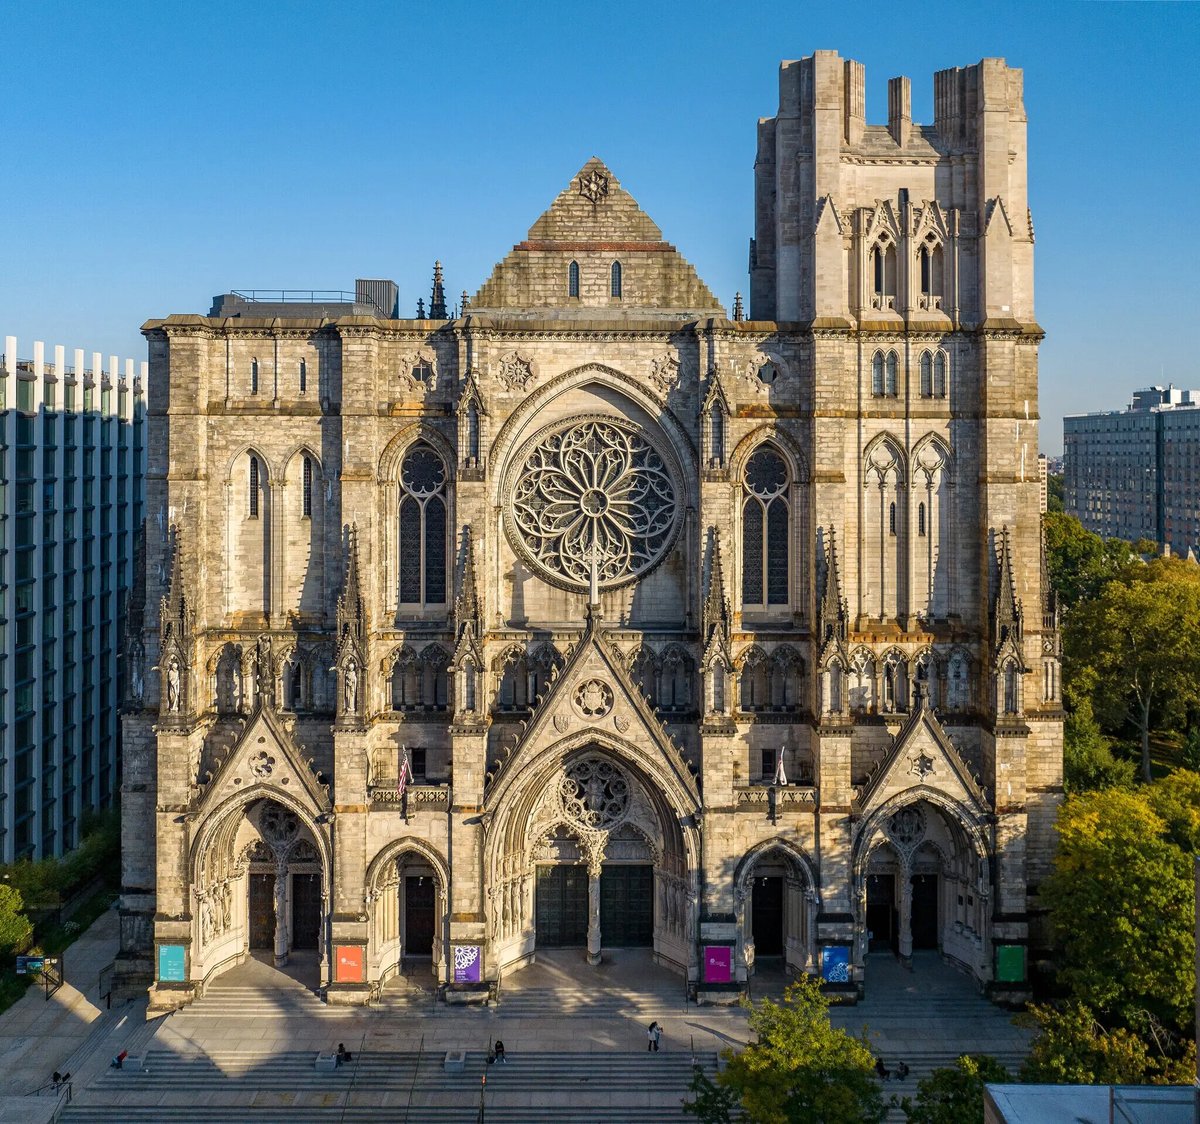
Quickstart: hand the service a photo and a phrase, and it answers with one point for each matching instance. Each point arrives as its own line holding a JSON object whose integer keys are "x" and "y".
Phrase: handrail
{"x": 416, "y": 1069}
{"x": 64, "y": 1099}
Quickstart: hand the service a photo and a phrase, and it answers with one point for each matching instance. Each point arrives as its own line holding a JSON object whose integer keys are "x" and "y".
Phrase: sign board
{"x": 718, "y": 963}
{"x": 1010, "y": 963}
{"x": 171, "y": 960}
{"x": 835, "y": 963}
{"x": 468, "y": 960}
{"x": 349, "y": 961}
{"x": 30, "y": 965}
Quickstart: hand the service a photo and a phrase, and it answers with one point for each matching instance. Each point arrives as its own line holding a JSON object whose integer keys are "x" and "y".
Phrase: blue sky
{"x": 158, "y": 153}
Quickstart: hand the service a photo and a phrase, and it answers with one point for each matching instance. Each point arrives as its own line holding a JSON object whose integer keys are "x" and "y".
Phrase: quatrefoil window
{"x": 262, "y": 764}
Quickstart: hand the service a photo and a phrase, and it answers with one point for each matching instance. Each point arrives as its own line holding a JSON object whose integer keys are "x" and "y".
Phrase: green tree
{"x": 15, "y": 929}
{"x": 1088, "y": 761}
{"x": 1054, "y": 492}
{"x": 1072, "y": 1048}
{"x": 1079, "y": 561}
{"x": 799, "y": 1070}
{"x": 1138, "y": 642}
{"x": 1122, "y": 905}
{"x": 954, "y": 1094}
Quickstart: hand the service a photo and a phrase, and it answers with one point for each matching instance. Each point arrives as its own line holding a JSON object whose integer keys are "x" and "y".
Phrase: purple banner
{"x": 718, "y": 963}
{"x": 467, "y": 961}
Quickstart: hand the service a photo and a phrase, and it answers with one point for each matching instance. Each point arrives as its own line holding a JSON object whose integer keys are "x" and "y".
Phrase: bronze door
{"x": 262, "y": 911}
{"x": 306, "y": 910}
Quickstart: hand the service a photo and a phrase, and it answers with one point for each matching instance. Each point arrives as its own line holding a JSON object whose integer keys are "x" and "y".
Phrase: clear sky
{"x": 156, "y": 154}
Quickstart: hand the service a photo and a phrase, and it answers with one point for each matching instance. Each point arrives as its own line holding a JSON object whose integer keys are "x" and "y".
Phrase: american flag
{"x": 780, "y": 775}
{"x": 405, "y": 774}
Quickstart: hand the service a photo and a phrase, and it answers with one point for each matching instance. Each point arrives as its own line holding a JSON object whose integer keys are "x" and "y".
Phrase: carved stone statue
{"x": 173, "y": 686}
{"x": 350, "y": 689}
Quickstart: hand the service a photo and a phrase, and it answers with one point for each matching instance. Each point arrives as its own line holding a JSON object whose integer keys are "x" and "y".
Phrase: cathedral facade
{"x": 597, "y": 617}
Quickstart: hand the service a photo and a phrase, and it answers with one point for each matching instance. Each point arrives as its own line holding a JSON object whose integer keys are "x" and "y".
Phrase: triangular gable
{"x": 827, "y": 208}
{"x": 995, "y": 206}
{"x": 932, "y": 218}
{"x": 884, "y": 218}
{"x": 264, "y": 755}
{"x": 593, "y": 690}
{"x": 595, "y": 222}
{"x": 922, "y": 757}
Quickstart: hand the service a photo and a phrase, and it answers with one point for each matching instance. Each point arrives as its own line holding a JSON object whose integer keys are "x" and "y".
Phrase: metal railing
{"x": 295, "y": 296}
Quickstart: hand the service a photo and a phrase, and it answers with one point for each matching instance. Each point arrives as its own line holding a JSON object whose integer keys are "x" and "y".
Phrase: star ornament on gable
{"x": 594, "y": 186}
{"x": 921, "y": 765}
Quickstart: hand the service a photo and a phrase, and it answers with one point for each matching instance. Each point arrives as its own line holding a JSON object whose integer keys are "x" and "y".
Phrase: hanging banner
{"x": 835, "y": 963}
{"x": 468, "y": 959}
{"x": 718, "y": 963}
{"x": 349, "y": 963}
{"x": 171, "y": 960}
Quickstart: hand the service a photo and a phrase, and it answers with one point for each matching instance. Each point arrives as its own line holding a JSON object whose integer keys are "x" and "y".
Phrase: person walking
{"x": 499, "y": 1051}
{"x": 653, "y": 1037}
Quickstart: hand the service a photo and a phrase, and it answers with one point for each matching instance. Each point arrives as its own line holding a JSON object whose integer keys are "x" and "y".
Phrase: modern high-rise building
{"x": 72, "y": 468}
{"x": 1135, "y": 473}
{"x": 598, "y": 616}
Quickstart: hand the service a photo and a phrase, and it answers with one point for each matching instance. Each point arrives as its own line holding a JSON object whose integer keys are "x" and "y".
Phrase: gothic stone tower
{"x": 595, "y": 618}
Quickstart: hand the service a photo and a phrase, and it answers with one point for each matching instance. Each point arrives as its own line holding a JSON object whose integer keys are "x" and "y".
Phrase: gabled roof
{"x": 922, "y": 756}
{"x": 595, "y": 222}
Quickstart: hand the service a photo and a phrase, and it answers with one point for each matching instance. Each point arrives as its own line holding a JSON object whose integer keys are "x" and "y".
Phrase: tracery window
{"x": 422, "y": 522}
{"x": 307, "y": 488}
{"x": 877, "y": 375}
{"x": 421, "y": 682}
{"x": 893, "y": 381}
{"x": 573, "y": 279}
{"x": 926, "y": 375}
{"x": 615, "y": 279}
{"x": 766, "y": 530}
{"x": 940, "y": 364}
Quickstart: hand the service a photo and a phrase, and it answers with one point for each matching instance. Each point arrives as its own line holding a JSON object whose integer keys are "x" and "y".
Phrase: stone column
{"x": 906, "y": 917}
{"x": 593, "y": 933}
{"x": 281, "y": 911}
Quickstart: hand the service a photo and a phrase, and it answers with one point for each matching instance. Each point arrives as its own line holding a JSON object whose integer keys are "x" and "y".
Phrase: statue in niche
{"x": 173, "y": 682}
{"x": 350, "y": 689}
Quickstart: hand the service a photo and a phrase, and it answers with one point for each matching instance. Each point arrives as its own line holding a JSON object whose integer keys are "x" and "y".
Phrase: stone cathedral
{"x": 598, "y": 617}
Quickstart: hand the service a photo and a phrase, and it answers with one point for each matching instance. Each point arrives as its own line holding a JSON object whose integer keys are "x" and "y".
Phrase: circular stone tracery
{"x": 595, "y": 793}
{"x": 594, "y": 484}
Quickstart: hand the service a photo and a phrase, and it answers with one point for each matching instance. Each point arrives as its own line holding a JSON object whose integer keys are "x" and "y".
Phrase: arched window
{"x": 718, "y": 688}
{"x": 766, "y": 530}
{"x": 939, "y": 375}
{"x": 573, "y": 279}
{"x": 893, "y": 380}
{"x": 930, "y": 258}
{"x": 254, "y": 487}
{"x": 926, "y": 375}
{"x": 469, "y": 686}
{"x": 877, "y": 375}
{"x": 883, "y": 274}
{"x": 892, "y": 518}
{"x": 716, "y": 435}
{"x": 253, "y": 376}
{"x": 1012, "y": 690}
{"x": 307, "y": 487}
{"x": 615, "y": 284}
{"x": 303, "y": 376}
{"x": 422, "y": 528}
{"x": 921, "y": 520}
{"x": 473, "y": 434}
{"x": 294, "y": 694}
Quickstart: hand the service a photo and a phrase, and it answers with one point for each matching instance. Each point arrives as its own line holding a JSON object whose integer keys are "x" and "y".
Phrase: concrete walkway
{"x": 70, "y": 1032}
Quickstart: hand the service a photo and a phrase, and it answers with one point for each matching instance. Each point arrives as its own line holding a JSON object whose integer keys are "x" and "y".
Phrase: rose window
{"x": 592, "y": 492}
{"x": 595, "y": 793}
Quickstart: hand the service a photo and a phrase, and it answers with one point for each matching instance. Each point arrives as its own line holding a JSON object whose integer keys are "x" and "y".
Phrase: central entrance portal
{"x": 419, "y": 893}
{"x": 627, "y": 906}
{"x": 562, "y": 906}
{"x": 767, "y": 906}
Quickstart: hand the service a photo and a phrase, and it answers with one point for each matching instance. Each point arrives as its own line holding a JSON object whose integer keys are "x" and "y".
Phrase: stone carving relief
{"x": 418, "y": 371}
{"x": 592, "y": 490}
{"x": 594, "y": 793}
{"x": 593, "y": 699}
{"x": 593, "y": 185}
{"x": 262, "y": 764}
{"x": 664, "y": 371}
{"x": 516, "y": 372}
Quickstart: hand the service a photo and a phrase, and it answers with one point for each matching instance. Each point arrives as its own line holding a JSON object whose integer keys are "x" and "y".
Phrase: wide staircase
{"x": 529, "y": 1088}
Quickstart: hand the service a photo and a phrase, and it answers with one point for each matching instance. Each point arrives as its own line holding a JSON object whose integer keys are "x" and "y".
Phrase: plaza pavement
{"x": 575, "y": 1039}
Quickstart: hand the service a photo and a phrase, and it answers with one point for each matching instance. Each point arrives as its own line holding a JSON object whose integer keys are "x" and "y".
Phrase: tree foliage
{"x": 1088, "y": 759}
{"x": 954, "y": 1094}
{"x": 799, "y": 1070}
{"x": 1074, "y": 1048}
{"x": 1121, "y": 900}
{"x": 1136, "y": 648}
{"x": 15, "y": 929}
{"x": 1079, "y": 561}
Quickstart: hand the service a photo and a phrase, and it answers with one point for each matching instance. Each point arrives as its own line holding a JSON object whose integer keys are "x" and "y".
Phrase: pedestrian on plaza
{"x": 901, "y": 1071}
{"x": 882, "y": 1071}
{"x": 343, "y": 1055}
{"x": 499, "y": 1051}
{"x": 653, "y": 1037}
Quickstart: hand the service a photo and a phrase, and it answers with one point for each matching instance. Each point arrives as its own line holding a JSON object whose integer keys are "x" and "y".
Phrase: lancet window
{"x": 766, "y": 530}
{"x": 422, "y": 523}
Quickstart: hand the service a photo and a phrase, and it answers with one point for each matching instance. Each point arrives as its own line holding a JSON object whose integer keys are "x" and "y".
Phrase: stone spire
{"x": 716, "y": 604}
{"x": 1006, "y": 613}
{"x": 420, "y": 308}
{"x": 351, "y": 606}
{"x": 464, "y": 302}
{"x": 833, "y": 612}
{"x": 468, "y": 619}
{"x": 739, "y": 312}
{"x": 437, "y": 302}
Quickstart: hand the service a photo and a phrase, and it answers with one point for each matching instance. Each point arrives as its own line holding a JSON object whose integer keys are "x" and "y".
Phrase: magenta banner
{"x": 718, "y": 963}
{"x": 467, "y": 962}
